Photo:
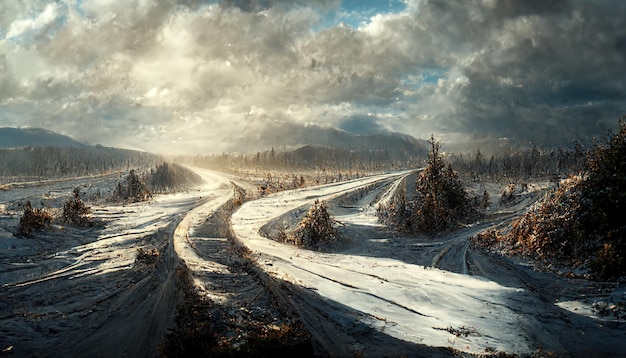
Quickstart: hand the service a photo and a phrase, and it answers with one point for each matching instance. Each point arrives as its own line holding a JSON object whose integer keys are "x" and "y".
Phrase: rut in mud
{"x": 86, "y": 308}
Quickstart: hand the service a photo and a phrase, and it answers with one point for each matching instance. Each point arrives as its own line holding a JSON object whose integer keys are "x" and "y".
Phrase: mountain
{"x": 397, "y": 145}
{"x": 35, "y": 137}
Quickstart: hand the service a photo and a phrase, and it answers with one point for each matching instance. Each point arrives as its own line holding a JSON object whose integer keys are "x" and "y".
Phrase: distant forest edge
{"x": 63, "y": 162}
{"x": 510, "y": 165}
{"x": 382, "y": 154}
{"x": 312, "y": 158}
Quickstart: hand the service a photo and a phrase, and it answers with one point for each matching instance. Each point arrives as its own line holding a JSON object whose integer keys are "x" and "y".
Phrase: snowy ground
{"x": 71, "y": 291}
{"x": 429, "y": 291}
{"x": 81, "y": 290}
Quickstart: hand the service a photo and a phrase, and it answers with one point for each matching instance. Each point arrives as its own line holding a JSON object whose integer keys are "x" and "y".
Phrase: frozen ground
{"x": 430, "y": 291}
{"x": 69, "y": 291}
{"x": 81, "y": 291}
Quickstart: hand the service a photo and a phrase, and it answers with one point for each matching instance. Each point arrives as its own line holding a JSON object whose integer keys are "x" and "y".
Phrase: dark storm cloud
{"x": 513, "y": 8}
{"x": 563, "y": 65}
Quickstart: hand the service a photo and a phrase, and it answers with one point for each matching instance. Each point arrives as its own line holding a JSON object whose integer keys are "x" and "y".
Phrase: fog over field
{"x": 210, "y": 76}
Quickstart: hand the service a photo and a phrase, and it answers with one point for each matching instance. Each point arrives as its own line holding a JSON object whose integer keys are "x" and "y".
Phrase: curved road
{"x": 434, "y": 292}
{"x": 81, "y": 290}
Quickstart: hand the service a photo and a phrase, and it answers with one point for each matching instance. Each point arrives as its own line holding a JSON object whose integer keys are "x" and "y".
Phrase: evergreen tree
{"x": 132, "y": 190}
{"x": 440, "y": 201}
{"x": 74, "y": 211}
{"x": 316, "y": 230}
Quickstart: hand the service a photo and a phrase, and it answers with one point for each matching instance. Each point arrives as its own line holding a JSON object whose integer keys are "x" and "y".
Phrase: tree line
{"x": 531, "y": 163}
{"x": 61, "y": 162}
{"x": 310, "y": 157}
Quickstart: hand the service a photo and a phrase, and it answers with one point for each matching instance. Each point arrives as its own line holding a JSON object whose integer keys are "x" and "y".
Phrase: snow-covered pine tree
{"x": 316, "y": 230}
{"x": 440, "y": 201}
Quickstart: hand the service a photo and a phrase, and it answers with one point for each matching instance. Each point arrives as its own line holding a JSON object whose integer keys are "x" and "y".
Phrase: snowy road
{"x": 428, "y": 291}
{"x": 409, "y": 302}
{"x": 81, "y": 290}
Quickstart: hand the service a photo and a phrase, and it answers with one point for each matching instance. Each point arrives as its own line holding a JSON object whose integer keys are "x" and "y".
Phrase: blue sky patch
{"x": 354, "y": 13}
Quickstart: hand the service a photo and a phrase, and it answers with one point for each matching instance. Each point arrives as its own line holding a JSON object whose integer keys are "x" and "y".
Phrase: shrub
{"x": 75, "y": 212}
{"x": 34, "y": 219}
{"x": 239, "y": 195}
{"x": 580, "y": 224}
{"x": 316, "y": 230}
{"x": 507, "y": 196}
{"x": 132, "y": 189}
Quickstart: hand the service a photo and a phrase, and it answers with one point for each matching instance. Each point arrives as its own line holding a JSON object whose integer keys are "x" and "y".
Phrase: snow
{"x": 409, "y": 302}
{"x": 578, "y": 307}
{"x": 92, "y": 273}
{"x": 218, "y": 185}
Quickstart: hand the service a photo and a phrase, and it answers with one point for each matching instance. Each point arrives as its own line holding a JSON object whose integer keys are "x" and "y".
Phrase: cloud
{"x": 210, "y": 76}
{"x": 37, "y": 24}
{"x": 259, "y": 5}
{"x": 362, "y": 124}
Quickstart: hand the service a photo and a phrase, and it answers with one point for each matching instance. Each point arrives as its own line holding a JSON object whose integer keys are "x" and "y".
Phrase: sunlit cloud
{"x": 211, "y": 76}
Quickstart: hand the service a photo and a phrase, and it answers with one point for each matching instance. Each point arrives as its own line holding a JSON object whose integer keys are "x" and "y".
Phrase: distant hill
{"x": 39, "y": 153}
{"x": 296, "y": 147}
{"x": 397, "y": 145}
{"x": 35, "y": 137}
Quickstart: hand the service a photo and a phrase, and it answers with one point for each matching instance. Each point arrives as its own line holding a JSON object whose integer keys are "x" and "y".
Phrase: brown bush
{"x": 75, "y": 212}
{"x": 580, "y": 224}
{"x": 316, "y": 230}
{"x": 34, "y": 219}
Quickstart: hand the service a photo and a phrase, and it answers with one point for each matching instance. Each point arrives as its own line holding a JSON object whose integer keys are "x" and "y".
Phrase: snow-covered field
{"x": 81, "y": 290}
{"x": 406, "y": 297}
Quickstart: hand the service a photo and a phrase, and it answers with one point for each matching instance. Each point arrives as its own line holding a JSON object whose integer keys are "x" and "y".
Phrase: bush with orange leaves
{"x": 580, "y": 224}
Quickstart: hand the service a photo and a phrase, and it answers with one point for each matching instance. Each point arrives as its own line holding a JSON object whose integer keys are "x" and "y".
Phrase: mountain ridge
{"x": 298, "y": 136}
{"x": 11, "y": 137}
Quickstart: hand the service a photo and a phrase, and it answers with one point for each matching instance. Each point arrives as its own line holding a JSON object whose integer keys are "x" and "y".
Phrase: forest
{"x": 311, "y": 158}
{"x": 521, "y": 165}
{"x": 66, "y": 162}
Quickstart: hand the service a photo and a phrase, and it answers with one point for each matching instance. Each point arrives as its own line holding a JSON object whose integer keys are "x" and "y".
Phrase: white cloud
{"x": 45, "y": 18}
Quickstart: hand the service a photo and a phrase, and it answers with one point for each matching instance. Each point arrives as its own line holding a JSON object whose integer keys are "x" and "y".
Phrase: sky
{"x": 192, "y": 76}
